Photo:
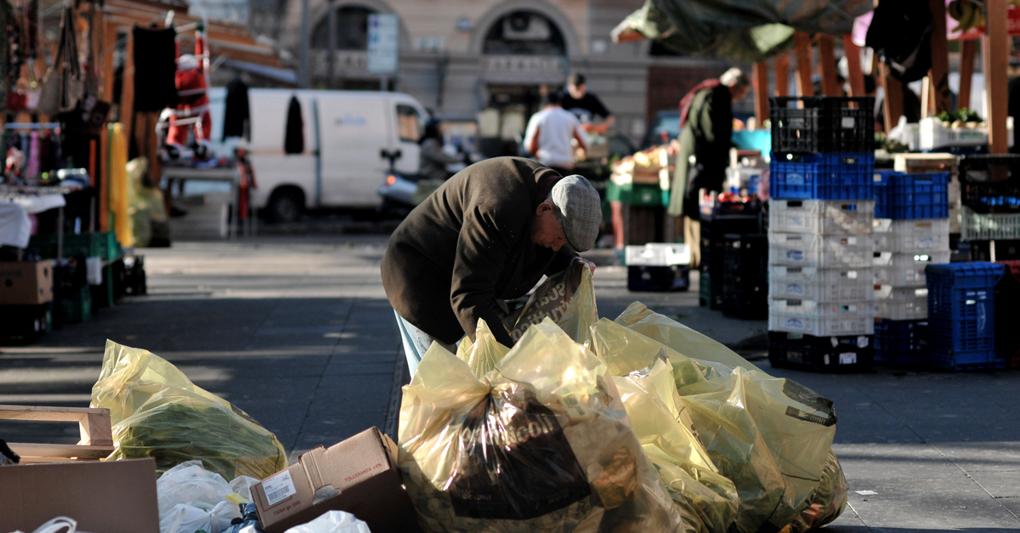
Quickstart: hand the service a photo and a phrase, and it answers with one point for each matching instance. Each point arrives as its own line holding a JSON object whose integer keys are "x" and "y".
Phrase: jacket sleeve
{"x": 480, "y": 256}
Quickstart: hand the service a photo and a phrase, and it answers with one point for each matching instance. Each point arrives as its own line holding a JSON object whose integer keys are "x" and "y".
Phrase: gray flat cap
{"x": 580, "y": 211}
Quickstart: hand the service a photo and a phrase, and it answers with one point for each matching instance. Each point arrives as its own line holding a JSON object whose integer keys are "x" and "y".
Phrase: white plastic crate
{"x": 823, "y": 217}
{"x": 977, "y": 226}
{"x": 829, "y": 251}
{"x": 901, "y": 303}
{"x": 911, "y": 235}
{"x": 905, "y": 269}
{"x": 824, "y": 285}
{"x": 821, "y": 319}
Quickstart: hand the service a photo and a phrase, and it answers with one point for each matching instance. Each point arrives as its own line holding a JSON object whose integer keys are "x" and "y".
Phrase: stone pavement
{"x": 296, "y": 331}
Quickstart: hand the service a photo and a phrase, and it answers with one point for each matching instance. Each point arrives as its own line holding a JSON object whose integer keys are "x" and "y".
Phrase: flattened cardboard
{"x": 26, "y": 282}
{"x": 107, "y": 497}
{"x": 362, "y": 468}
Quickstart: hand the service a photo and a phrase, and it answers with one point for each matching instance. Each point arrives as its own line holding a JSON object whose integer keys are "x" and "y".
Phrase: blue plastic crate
{"x": 913, "y": 196}
{"x": 961, "y": 314}
{"x": 901, "y": 343}
{"x": 838, "y": 176}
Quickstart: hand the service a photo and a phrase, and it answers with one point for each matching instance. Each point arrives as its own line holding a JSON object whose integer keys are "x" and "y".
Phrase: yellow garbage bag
{"x": 568, "y": 298}
{"x": 158, "y": 412}
{"x": 541, "y": 443}
{"x": 481, "y": 356}
{"x": 770, "y": 436}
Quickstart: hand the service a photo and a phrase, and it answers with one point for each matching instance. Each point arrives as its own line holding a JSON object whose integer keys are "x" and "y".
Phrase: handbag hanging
{"x": 63, "y": 86}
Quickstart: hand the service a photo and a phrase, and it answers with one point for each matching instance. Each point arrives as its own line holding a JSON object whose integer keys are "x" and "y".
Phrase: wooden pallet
{"x": 96, "y": 436}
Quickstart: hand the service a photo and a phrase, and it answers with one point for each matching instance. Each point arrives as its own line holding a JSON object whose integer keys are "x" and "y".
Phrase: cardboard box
{"x": 26, "y": 282}
{"x": 358, "y": 475}
{"x": 107, "y": 497}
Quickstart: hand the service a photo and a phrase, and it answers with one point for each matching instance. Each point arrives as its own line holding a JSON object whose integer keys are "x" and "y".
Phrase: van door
{"x": 354, "y": 130}
{"x": 409, "y": 124}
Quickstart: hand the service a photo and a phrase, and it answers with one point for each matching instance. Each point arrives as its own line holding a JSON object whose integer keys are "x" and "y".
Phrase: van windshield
{"x": 409, "y": 124}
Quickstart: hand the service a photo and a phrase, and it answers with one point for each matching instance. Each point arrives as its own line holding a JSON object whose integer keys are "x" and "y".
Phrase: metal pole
{"x": 303, "y": 46}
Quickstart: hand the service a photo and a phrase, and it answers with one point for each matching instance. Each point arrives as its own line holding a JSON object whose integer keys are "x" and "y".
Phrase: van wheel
{"x": 286, "y": 205}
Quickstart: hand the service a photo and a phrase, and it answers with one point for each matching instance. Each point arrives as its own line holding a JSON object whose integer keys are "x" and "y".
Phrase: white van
{"x": 347, "y": 136}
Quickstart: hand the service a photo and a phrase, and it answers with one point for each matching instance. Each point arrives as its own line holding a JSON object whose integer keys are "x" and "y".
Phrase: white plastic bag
{"x": 332, "y": 522}
{"x": 192, "y": 498}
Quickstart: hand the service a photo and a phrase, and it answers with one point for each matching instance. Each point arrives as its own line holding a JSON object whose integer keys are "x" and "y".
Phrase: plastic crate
{"x": 840, "y": 176}
{"x": 911, "y": 235}
{"x": 981, "y": 250}
{"x": 905, "y": 269}
{"x": 1007, "y": 314}
{"x": 99, "y": 244}
{"x": 800, "y": 249}
{"x": 901, "y": 343}
{"x": 824, "y": 285}
{"x": 824, "y": 217}
{"x": 709, "y": 290}
{"x": 901, "y": 303}
{"x": 716, "y": 227}
{"x": 961, "y": 312}
{"x": 745, "y": 270}
{"x": 821, "y": 318}
{"x": 902, "y": 196}
{"x": 991, "y": 226}
{"x": 991, "y": 183}
{"x": 822, "y": 124}
{"x": 850, "y": 353}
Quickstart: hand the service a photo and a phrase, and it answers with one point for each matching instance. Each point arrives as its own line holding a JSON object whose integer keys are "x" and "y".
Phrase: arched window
{"x": 524, "y": 32}
{"x": 351, "y": 29}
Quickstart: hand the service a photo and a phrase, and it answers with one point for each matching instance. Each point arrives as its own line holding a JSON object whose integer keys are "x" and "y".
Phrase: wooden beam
{"x": 892, "y": 105}
{"x": 939, "y": 73}
{"x": 827, "y": 62}
{"x": 46, "y": 453}
{"x": 783, "y": 74}
{"x": 802, "y": 49}
{"x": 93, "y": 423}
{"x": 995, "y": 54}
{"x": 760, "y": 79}
{"x": 967, "y": 52}
{"x": 853, "y": 61}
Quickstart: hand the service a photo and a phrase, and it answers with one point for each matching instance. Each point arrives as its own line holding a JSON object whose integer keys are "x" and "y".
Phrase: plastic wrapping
{"x": 158, "y": 412}
{"x": 192, "y": 498}
{"x": 568, "y": 298}
{"x": 332, "y": 522}
{"x": 541, "y": 443}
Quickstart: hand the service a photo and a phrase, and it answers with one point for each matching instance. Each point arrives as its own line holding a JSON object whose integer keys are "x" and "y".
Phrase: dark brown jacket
{"x": 467, "y": 246}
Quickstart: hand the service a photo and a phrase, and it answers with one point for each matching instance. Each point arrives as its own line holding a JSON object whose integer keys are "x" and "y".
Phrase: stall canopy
{"x": 739, "y": 30}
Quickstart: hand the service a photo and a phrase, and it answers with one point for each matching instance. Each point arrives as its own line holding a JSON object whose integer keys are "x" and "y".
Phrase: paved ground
{"x": 296, "y": 332}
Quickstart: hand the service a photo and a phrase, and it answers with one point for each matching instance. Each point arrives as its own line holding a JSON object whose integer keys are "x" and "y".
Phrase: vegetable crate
{"x": 838, "y": 176}
{"x": 844, "y": 353}
{"x": 822, "y": 124}
{"x": 902, "y": 196}
{"x": 961, "y": 312}
{"x": 901, "y": 343}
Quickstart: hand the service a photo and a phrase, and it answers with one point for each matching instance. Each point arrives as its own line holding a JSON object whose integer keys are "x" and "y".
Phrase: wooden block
{"x": 853, "y": 60}
{"x": 783, "y": 74}
{"x": 968, "y": 51}
{"x": 995, "y": 51}
{"x": 827, "y": 62}
{"x": 46, "y": 453}
{"x": 802, "y": 49}
{"x": 93, "y": 424}
{"x": 760, "y": 79}
{"x": 939, "y": 74}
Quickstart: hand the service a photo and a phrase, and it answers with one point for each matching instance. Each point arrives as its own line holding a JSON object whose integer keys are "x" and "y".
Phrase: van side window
{"x": 408, "y": 123}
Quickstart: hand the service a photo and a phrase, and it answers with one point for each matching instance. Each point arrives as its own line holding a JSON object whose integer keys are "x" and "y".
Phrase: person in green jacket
{"x": 487, "y": 235}
{"x": 706, "y": 121}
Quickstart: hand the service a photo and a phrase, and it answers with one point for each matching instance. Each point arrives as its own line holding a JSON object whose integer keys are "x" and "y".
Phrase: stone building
{"x": 461, "y": 58}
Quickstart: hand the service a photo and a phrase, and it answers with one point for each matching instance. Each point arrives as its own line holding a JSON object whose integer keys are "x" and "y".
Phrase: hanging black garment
{"x": 236, "y": 113}
{"x": 900, "y": 33}
{"x": 155, "y": 56}
{"x": 294, "y": 137}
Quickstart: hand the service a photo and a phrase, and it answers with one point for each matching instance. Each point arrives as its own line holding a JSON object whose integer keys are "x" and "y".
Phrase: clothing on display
{"x": 236, "y": 113}
{"x": 294, "y": 136}
{"x": 155, "y": 60}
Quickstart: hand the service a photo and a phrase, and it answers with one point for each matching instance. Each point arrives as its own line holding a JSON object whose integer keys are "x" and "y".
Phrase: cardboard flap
{"x": 310, "y": 461}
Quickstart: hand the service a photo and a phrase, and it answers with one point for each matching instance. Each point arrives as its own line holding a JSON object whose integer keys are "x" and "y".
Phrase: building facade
{"x": 490, "y": 60}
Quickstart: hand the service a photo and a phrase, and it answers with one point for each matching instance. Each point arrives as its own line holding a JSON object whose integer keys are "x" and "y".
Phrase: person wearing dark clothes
{"x": 588, "y": 108}
{"x": 486, "y": 235}
{"x": 433, "y": 160}
{"x": 294, "y": 130}
{"x": 236, "y": 111}
{"x": 706, "y": 122}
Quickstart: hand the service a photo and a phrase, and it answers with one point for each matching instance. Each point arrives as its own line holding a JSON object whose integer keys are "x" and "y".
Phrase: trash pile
{"x": 586, "y": 424}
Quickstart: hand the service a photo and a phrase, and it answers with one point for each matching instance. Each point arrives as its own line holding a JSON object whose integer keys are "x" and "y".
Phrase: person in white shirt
{"x": 549, "y": 133}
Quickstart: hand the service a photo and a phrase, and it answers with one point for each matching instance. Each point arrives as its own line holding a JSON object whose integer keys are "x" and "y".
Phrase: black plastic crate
{"x": 23, "y": 324}
{"x": 646, "y": 278}
{"x": 1007, "y": 315}
{"x": 846, "y": 353}
{"x": 982, "y": 250}
{"x": 990, "y": 183}
{"x": 745, "y": 276}
{"x": 717, "y": 227}
{"x": 822, "y": 124}
{"x": 902, "y": 343}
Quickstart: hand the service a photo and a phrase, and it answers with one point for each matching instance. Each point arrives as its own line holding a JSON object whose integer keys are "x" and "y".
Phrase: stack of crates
{"x": 911, "y": 231}
{"x": 821, "y": 308}
{"x": 1007, "y": 314}
{"x": 990, "y": 192}
{"x": 729, "y": 218}
{"x": 961, "y": 312}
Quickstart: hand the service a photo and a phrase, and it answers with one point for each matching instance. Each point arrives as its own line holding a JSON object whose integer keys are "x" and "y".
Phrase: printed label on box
{"x": 278, "y": 488}
{"x": 848, "y": 358}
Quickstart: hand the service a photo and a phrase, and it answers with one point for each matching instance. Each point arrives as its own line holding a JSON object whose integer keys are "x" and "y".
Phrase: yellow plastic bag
{"x": 541, "y": 443}
{"x": 483, "y": 355}
{"x": 770, "y": 436}
{"x": 158, "y": 412}
{"x": 568, "y": 298}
